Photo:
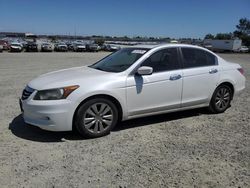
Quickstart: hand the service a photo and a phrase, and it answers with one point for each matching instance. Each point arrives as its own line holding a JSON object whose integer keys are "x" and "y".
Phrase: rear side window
{"x": 163, "y": 60}
{"x": 197, "y": 58}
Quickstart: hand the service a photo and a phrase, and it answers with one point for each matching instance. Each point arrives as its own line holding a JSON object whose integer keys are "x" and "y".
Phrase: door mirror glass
{"x": 145, "y": 70}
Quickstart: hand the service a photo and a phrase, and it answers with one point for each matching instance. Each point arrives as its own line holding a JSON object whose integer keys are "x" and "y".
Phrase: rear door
{"x": 200, "y": 76}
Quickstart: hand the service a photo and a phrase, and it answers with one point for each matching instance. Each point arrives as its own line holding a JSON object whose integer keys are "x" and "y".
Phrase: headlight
{"x": 55, "y": 94}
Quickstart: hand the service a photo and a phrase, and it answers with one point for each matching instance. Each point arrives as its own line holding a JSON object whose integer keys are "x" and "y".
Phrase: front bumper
{"x": 56, "y": 115}
{"x": 15, "y": 49}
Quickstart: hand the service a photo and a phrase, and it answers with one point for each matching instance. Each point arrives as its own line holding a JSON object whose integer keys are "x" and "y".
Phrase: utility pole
{"x": 75, "y": 32}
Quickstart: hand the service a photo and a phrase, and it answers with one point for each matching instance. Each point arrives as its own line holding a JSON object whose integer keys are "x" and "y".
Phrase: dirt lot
{"x": 184, "y": 149}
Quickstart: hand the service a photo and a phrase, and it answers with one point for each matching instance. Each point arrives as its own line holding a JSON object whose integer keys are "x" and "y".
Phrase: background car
{"x": 79, "y": 47}
{"x": 92, "y": 47}
{"x": 31, "y": 47}
{"x": 60, "y": 47}
{"x": 70, "y": 46}
{"x": 24, "y": 43}
{"x": 1, "y": 48}
{"x": 244, "y": 49}
{"x": 16, "y": 47}
{"x": 5, "y": 44}
{"x": 46, "y": 47}
{"x": 111, "y": 48}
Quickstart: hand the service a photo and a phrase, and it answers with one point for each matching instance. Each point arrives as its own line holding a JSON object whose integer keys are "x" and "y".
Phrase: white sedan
{"x": 132, "y": 82}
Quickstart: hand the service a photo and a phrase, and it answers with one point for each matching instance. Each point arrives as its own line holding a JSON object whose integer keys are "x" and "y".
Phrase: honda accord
{"x": 132, "y": 82}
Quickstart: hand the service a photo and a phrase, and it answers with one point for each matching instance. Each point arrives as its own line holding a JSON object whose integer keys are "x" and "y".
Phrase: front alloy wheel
{"x": 96, "y": 117}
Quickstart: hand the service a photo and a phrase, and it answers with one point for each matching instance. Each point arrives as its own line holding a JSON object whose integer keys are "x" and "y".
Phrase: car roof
{"x": 150, "y": 47}
{"x": 164, "y": 45}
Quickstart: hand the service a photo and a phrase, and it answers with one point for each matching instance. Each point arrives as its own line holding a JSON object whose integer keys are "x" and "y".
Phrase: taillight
{"x": 241, "y": 70}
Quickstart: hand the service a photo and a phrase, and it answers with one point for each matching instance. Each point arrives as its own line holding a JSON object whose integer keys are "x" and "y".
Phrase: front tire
{"x": 96, "y": 118}
{"x": 221, "y": 99}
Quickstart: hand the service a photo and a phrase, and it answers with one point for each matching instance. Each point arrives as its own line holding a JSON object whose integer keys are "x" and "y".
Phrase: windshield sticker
{"x": 138, "y": 51}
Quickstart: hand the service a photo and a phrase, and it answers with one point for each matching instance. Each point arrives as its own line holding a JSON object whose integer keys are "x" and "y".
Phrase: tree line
{"x": 242, "y": 31}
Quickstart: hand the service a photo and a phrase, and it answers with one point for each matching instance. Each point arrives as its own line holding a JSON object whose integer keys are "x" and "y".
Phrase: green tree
{"x": 99, "y": 41}
{"x": 243, "y": 31}
{"x": 244, "y": 26}
{"x": 224, "y": 36}
{"x": 209, "y": 36}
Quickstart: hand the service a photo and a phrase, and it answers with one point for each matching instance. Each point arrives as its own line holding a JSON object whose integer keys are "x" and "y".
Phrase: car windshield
{"x": 119, "y": 61}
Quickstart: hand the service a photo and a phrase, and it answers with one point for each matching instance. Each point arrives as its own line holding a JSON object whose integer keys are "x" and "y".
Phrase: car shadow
{"x": 144, "y": 121}
{"x": 22, "y": 130}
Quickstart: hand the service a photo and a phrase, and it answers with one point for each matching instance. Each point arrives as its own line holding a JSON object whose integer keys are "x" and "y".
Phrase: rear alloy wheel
{"x": 221, "y": 99}
{"x": 96, "y": 118}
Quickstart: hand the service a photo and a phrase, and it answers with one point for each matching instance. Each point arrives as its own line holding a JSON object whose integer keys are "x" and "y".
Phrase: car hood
{"x": 68, "y": 77}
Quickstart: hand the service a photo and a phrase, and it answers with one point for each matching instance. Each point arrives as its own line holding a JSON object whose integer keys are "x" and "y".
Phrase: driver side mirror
{"x": 145, "y": 70}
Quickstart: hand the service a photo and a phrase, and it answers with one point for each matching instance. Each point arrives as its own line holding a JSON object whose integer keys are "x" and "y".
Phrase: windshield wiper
{"x": 101, "y": 69}
{"x": 98, "y": 68}
{"x": 105, "y": 70}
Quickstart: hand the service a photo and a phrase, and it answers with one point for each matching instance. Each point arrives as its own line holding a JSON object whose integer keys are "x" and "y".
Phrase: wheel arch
{"x": 212, "y": 105}
{"x": 106, "y": 96}
{"x": 229, "y": 84}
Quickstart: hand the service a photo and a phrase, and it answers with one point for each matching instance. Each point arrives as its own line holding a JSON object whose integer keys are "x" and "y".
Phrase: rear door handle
{"x": 212, "y": 71}
{"x": 175, "y": 77}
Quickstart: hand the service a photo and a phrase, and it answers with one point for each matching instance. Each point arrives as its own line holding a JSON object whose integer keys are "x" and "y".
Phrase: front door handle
{"x": 212, "y": 71}
{"x": 175, "y": 77}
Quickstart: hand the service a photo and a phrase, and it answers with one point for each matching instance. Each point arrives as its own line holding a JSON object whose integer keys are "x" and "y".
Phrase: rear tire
{"x": 96, "y": 118}
{"x": 221, "y": 99}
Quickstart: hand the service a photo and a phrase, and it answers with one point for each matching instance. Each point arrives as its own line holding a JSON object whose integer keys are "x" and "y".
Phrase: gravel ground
{"x": 184, "y": 149}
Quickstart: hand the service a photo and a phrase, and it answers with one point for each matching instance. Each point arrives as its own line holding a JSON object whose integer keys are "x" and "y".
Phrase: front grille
{"x": 27, "y": 92}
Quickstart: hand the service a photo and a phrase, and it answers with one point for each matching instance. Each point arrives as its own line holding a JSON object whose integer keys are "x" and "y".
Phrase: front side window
{"x": 163, "y": 60}
{"x": 197, "y": 58}
{"x": 120, "y": 60}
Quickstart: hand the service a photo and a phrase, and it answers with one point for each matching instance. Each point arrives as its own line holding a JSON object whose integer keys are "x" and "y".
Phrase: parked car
{"x": 1, "y": 48}
{"x": 244, "y": 49}
{"x": 46, "y": 47}
{"x": 208, "y": 46}
{"x": 16, "y": 47}
{"x": 31, "y": 47}
{"x": 61, "y": 47}
{"x": 112, "y": 48}
{"x": 79, "y": 47}
{"x": 5, "y": 44}
{"x": 132, "y": 82}
{"x": 24, "y": 43}
{"x": 70, "y": 46}
{"x": 92, "y": 48}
